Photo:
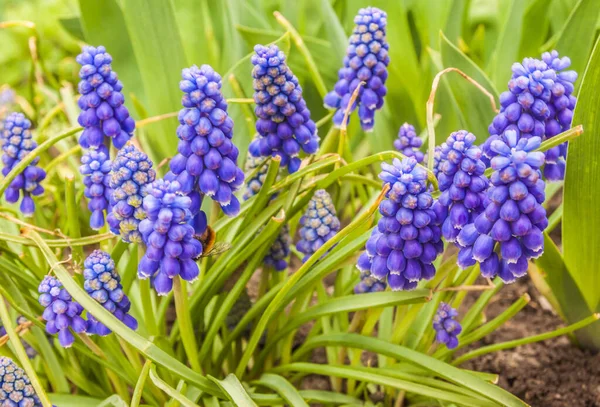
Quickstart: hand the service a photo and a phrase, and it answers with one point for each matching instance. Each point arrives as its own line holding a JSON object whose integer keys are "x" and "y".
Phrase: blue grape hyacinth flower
{"x": 103, "y": 283}
{"x": 284, "y": 125}
{"x": 406, "y": 240}
{"x": 16, "y": 141}
{"x": 206, "y": 162}
{"x": 103, "y": 113}
{"x": 61, "y": 312}
{"x": 368, "y": 284}
{"x": 95, "y": 168}
{"x": 446, "y": 327}
{"x": 462, "y": 183}
{"x": 366, "y": 61}
{"x": 169, "y": 237}
{"x": 16, "y": 389}
{"x": 409, "y": 143}
{"x": 509, "y": 232}
{"x": 318, "y": 224}
{"x": 131, "y": 173}
{"x": 255, "y": 183}
{"x": 539, "y": 103}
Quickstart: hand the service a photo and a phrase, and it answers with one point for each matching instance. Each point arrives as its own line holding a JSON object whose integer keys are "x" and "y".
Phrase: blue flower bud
{"x": 169, "y": 235}
{"x": 95, "y": 168}
{"x": 409, "y": 143}
{"x": 16, "y": 388}
{"x": 446, "y": 327}
{"x": 131, "y": 173}
{"x": 103, "y": 283}
{"x": 539, "y": 103}
{"x": 318, "y": 224}
{"x": 514, "y": 217}
{"x": 284, "y": 125}
{"x": 366, "y": 61}
{"x": 102, "y": 111}
{"x": 17, "y": 142}
{"x": 62, "y": 314}
{"x": 407, "y": 239}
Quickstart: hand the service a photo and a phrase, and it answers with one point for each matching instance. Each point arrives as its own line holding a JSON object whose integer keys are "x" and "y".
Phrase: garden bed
{"x": 552, "y": 373}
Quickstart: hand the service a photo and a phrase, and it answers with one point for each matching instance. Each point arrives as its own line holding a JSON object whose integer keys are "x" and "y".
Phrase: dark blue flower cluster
{"x": 368, "y": 284}
{"x": 515, "y": 218}
{"x": 61, "y": 312}
{"x": 539, "y": 103}
{"x": 131, "y": 173}
{"x": 95, "y": 168}
{"x": 103, "y": 283}
{"x": 446, "y": 327}
{"x": 15, "y": 387}
{"x": 406, "y": 240}
{"x": 318, "y": 224}
{"x": 206, "y": 163}
{"x": 409, "y": 143}
{"x": 279, "y": 250}
{"x": 284, "y": 124}
{"x": 102, "y": 110}
{"x": 462, "y": 184}
{"x": 169, "y": 237}
{"x": 366, "y": 61}
{"x": 17, "y": 142}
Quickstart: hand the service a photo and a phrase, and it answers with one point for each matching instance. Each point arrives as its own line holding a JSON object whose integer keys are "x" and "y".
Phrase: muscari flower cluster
{"x": 103, "y": 113}
{"x": 130, "y": 174}
{"x": 318, "y": 224}
{"x": 368, "y": 284}
{"x": 406, "y": 240}
{"x": 95, "y": 168}
{"x": 366, "y": 61}
{"x": 514, "y": 218}
{"x": 462, "y": 183}
{"x": 16, "y": 141}
{"x": 103, "y": 283}
{"x": 16, "y": 389}
{"x": 284, "y": 124}
{"x": 539, "y": 103}
{"x": 280, "y": 249}
{"x": 169, "y": 237}
{"x": 61, "y": 312}
{"x": 408, "y": 142}
{"x": 206, "y": 163}
{"x": 446, "y": 327}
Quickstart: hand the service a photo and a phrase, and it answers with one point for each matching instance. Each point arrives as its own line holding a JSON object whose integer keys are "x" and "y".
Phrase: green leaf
{"x": 170, "y": 391}
{"x": 476, "y": 108}
{"x": 567, "y": 293}
{"x": 160, "y": 57}
{"x": 73, "y": 26}
{"x": 284, "y": 388}
{"x": 234, "y": 390}
{"x": 581, "y": 195}
{"x": 507, "y": 51}
{"x": 578, "y": 33}
{"x": 103, "y": 24}
{"x": 534, "y": 35}
{"x": 69, "y": 400}
{"x": 377, "y": 376}
{"x": 435, "y": 366}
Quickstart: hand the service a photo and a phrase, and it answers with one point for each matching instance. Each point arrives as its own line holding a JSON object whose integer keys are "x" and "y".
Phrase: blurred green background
{"x": 152, "y": 40}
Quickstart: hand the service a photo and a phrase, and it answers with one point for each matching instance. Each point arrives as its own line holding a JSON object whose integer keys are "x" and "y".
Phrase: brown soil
{"x": 553, "y": 373}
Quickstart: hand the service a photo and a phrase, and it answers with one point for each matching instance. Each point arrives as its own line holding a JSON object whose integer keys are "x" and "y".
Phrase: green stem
{"x": 139, "y": 386}
{"x": 185, "y": 323}
{"x": 524, "y": 341}
{"x": 22, "y": 355}
{"x": 278, "y": 300}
